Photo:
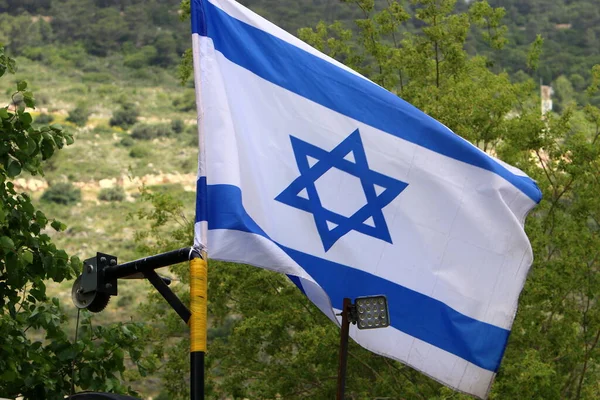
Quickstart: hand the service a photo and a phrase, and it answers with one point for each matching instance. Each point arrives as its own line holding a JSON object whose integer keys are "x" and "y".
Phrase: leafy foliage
{"x": 44, "y": 119}
{"x": 79, "y": 115}
{"x": 37, "y": 358}
{"x": 147, "y": 32}
{"x": 62, "y": 193}
{"x": 112, "y": 194}
{"x": 139, "y": 151}
{"x": 125, "y": 116}
{"x": 187, "y": 101}
{"x": 149, "y": 132}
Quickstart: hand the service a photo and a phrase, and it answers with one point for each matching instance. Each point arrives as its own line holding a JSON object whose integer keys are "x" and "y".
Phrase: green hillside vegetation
{"x": 107, "y": 72}
{"x": 150, "y": 33}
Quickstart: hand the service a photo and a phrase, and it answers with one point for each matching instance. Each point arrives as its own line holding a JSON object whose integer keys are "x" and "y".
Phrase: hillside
{"x": 150, "y": 32}
{"x": 571, "y": 32}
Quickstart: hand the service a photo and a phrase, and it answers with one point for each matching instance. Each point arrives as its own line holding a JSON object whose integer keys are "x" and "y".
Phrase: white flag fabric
{"x": 309, "y": 169}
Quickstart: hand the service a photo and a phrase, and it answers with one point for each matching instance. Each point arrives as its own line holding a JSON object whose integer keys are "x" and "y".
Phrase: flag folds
{"x": 309, "y": 169}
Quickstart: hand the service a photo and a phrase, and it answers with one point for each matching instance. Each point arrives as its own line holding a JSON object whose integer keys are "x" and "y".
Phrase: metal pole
{"x": 147, "y": 263}
{"x": 198, "y": 307}
{"x": 344, "y": 333}
{"x": 168, "y": 295}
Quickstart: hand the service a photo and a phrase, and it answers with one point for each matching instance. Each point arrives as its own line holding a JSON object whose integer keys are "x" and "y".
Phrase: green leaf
{"x": 76, "y": 263}
{"x": 47, "y": 148}
{"x": 31, "y": 145}
{"x": 67, "y": 354}
{"x": 21, "y": 85}
{"x": 7, "y": 243}
{"x": 4, "y": 113}
{"x": 29, "y": 102}
{"x": 14, "y": 168}
{"x": 59, "y": 226}
{"x": 56, "y": 127}
{"x": 27, "y": 256}
{"x": 26, "y": 119}
{"x": 21, "y": 142}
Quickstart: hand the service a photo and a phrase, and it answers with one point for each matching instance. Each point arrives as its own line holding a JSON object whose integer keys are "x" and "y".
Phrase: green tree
{"x": 79, "y": 115}
{"x": 63, "y": 193}
{"x": 126, "y": 116}
{"x": 565, "y": 94}
{"x": 38, "y": 360}
{"x": 112, "y": 194}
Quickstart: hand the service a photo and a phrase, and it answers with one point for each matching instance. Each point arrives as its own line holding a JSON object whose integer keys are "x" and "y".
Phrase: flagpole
{"x": 343, "y": 360}
{"x": 199, "y": 260}
{"x": 198, "y": 319}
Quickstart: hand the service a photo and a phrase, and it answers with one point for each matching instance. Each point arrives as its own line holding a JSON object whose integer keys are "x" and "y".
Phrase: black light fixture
{"x": 370, "y": 312}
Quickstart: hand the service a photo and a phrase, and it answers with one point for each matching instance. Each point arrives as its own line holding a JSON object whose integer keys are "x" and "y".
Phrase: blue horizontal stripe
{"x": 312, "y": 77}
{"x": 411, "y": 312}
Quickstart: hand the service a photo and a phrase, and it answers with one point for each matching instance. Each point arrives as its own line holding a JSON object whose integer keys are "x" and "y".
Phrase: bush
{"x": 185, "y": 103}
{"x": 127, "y": 141}
{"x": 141, "y": 58}
{"x": 124, "y": 301}
{"x": 97, "y": 77}
{"x": 126, "y": 116}
{"x": 34, "y": 53}
{"x": 177, "y": 126}
{"x": 79, "y": 116}
{"x": 44, "y": 119}
{"x": 149, "y": 132}
{"x": 103, "y": 130}
{"x": 62, "y": 193}
{"x": 112, "y": 194}
{"x": 139, "y": 152}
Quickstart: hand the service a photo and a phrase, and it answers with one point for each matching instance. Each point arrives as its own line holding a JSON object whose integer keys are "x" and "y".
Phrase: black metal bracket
{"x": 93, "y": 278}
{"x": 101, "y": 274}
{"x": 352, "y": 314}
{"x": 168, "y": 295}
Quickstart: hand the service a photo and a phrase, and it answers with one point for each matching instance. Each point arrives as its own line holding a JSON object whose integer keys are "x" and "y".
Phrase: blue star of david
{"x": 359, "y": 168}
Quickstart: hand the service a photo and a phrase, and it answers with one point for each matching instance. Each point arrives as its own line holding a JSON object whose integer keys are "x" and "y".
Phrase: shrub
{"x": 177, "y": 126}
{"x": 141, "y": 58}
{"x": 139, "y": 152}
{"x": 97, "y": 77}
{"x": 149, "y": 132}
{"x": 62, "y": 193}
{"x": 127, "y": 141}
{"x": 185, "y": 103}
{"x": 126, "y": 116}
{"x": 124, "y": 301}
{"x": 34, "y": 53}
{"x": 112, "y": 194}
{"x": 79, "y": 116}
{"x": 103, "y": 130}
{"x": 44, "y": 119}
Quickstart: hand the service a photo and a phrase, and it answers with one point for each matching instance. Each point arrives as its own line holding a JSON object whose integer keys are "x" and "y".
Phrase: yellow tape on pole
{"x": 198, "y": 304}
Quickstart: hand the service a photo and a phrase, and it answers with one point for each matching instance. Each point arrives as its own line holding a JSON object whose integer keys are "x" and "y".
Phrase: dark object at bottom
{"x": 344, "y": 334}
{"x": 197, "y": 374}
{"x": 100, "y": 396}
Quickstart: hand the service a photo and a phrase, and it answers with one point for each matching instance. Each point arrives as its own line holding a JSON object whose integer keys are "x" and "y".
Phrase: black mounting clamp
{"x": 98, "y": 281}
{"x": 92, "y": 289}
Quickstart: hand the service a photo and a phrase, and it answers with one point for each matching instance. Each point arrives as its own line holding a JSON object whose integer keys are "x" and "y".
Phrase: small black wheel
{"x": 99, "y": 302}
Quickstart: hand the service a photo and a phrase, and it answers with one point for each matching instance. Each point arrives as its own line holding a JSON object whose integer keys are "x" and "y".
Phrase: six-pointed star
{"x": 360, "y": 168}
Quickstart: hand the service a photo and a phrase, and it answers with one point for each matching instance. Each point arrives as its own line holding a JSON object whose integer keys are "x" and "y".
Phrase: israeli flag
{"x": 309, "y": 169}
